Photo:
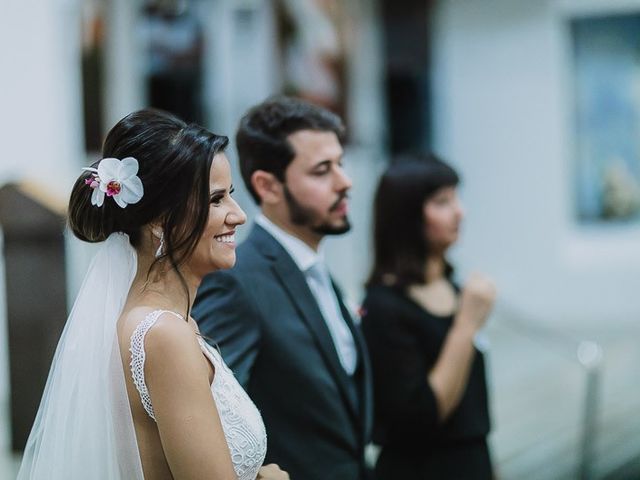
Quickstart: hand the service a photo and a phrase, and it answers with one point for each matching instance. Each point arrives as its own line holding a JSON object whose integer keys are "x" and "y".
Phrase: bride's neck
{"x": 160, "y": 283}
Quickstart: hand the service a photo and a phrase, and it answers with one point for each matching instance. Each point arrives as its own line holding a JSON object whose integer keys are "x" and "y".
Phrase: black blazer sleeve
{"x": 227, "y": 318}
{"x": 404, "y": 401}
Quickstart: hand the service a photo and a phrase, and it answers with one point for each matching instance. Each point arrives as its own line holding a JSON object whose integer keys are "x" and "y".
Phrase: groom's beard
{"x": 305, "y": 216}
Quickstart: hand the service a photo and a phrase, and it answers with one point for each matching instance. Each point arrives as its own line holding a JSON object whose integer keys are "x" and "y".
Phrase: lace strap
{"x": 212, "y": 355}
{"x": 138, "y": 357}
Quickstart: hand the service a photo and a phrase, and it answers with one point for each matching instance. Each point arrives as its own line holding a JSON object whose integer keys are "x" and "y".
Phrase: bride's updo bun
{"x": 174, "y": 160}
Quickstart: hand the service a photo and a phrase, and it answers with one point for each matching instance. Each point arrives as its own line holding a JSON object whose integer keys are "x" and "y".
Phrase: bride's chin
{"x": 227, "y": 264}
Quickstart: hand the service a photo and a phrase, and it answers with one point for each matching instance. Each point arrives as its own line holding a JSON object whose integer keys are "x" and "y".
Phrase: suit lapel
{"x": 295, "y": 284}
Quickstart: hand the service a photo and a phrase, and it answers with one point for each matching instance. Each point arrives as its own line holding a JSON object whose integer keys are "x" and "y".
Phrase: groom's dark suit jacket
{"x": 271, "y": 333}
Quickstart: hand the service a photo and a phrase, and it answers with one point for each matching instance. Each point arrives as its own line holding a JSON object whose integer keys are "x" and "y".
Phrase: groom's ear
{"x": 267, "y": 186}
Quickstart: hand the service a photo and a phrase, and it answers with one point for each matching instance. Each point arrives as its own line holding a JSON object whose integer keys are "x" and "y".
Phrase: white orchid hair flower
{"x": 115, "y": 178}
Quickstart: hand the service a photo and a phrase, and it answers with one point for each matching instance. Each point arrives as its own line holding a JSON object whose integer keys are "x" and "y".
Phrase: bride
{"x": 134, "y": 391}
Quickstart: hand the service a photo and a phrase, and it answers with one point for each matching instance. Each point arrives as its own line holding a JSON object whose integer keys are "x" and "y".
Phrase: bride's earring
{"x": 160, "y": 249}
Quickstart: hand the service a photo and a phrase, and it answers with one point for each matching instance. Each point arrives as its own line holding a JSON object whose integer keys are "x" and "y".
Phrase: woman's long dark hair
{"x": 400, "y": 246}
{"x": 174, "y": 161}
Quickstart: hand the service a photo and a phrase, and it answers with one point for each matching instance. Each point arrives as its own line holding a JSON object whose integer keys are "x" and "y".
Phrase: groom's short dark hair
{"x": 261, "y": 138}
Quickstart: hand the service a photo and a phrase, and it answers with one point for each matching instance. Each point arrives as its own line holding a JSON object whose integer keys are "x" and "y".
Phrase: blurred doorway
{"x": 173, "y": 44}
{"x": 407, "y": 44}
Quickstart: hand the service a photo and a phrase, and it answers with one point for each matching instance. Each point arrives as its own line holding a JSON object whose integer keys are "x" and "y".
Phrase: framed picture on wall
{"x": 606, "y": 88}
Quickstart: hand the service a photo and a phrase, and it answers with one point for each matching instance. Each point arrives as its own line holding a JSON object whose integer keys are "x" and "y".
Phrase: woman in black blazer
{"x": 432, "y": 416}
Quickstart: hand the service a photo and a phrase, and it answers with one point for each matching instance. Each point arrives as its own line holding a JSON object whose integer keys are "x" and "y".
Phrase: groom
{"x": 278, "y": 317}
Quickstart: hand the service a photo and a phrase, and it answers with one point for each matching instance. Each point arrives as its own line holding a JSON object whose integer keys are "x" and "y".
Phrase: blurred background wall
{"x": 500, "y": 88}
{"x": 505, "y": 112}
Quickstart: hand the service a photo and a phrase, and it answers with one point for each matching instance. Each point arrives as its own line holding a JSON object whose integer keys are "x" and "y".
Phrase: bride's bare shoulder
{"x": 169, "y": 329}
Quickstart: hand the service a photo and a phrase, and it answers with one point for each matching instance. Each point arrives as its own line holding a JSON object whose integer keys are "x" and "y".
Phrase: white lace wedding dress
{"x": 241, "y": 420}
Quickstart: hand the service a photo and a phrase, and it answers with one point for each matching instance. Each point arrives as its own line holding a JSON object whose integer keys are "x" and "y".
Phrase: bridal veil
{"x": 84, "y": 428}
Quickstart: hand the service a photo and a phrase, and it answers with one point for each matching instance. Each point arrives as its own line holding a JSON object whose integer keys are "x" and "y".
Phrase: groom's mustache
{"x": 343, "y": 196}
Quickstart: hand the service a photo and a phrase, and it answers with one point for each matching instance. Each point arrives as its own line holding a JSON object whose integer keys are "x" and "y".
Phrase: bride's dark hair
{"x": 174, "y": 163}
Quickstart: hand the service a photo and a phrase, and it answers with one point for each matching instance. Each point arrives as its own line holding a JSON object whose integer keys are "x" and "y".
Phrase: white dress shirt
{"x": 312, "y": 265}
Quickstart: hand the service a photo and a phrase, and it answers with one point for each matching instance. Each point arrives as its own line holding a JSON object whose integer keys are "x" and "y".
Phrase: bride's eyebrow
{"x": 219, "y": 191}
{"x": 222, "y": 190}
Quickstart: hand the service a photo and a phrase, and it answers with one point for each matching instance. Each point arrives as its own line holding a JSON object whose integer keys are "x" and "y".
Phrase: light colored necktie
{"x": 327, "y": 300}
